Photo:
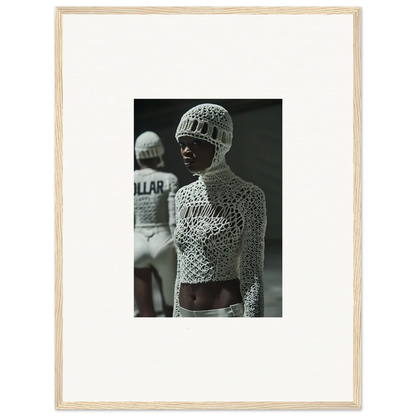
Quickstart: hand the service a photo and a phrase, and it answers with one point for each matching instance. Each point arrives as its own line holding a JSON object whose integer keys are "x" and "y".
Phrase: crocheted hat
{"x": 148, "y": 145}
{"x": 209, "y": 122}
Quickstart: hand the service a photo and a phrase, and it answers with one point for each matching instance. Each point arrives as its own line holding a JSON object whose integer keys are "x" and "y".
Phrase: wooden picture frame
{"x": 61, "y": 129}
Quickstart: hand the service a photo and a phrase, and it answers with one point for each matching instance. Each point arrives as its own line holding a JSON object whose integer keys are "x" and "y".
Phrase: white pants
{"x": 153, "y": 246}
{"x": 232, "y": 311}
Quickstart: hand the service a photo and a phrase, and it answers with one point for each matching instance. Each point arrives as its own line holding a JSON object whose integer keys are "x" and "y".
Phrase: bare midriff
{"x": 211, "y": 295}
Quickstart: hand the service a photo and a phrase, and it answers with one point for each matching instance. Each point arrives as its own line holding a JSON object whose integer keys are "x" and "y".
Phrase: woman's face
{"x": 197, "y": 154}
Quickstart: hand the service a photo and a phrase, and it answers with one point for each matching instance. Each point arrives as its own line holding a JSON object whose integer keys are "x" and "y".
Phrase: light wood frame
{"x": 356, "y": 403}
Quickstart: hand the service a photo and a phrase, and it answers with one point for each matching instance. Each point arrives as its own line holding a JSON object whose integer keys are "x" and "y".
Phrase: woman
{"x": 154, "y": 221}
{"x": 220, "y": 225}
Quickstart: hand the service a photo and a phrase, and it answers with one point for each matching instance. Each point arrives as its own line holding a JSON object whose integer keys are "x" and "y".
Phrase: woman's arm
{"x": 176, "y": 314}
{"x": 173, "y": 187}
{"x": 252, "y": 253}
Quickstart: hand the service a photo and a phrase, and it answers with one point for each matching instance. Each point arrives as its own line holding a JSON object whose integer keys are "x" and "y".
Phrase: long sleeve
{"x": 176, "y": 313}
{"x": 252, "y": 253}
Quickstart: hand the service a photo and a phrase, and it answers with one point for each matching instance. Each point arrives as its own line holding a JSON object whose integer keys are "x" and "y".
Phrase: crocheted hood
{"x": 148, "y": 145}
{"x": 212, "y": 123}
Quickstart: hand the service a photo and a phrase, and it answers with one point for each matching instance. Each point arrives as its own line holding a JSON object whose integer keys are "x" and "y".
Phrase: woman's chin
{"x": 192, "y": 168}
{"x": 195, "y": 168}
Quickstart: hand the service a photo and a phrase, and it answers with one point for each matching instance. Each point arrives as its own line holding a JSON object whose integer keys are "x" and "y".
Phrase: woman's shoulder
{"x": 137, "y": 175}
{"x": 169, "y": 177}
{"x": 187, "y": 190}
{"x": 161, "y": 174}
{"x": 247, "y": 190}
{"x": 256, "y": 191}
{"x": 251, "y": 198}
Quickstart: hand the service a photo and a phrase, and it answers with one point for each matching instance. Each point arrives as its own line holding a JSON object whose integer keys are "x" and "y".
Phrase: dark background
{"x": 255, "y": 156}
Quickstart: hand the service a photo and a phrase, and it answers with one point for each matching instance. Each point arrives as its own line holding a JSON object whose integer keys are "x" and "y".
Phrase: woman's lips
{"x": 188, "y": 161}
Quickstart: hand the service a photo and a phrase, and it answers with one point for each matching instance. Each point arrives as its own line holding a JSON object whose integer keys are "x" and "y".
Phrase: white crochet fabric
{"x": 154, "y": 198}
{"x": 220, "y": 220}
{"x": 208, "y": 122}
{"x": 149, "y": 145}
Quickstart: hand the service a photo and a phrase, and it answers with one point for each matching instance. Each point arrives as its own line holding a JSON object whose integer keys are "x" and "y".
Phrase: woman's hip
{"x": 232, "y": 311}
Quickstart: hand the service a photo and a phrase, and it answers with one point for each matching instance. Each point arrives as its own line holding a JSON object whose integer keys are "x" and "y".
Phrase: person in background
{"x": 154, "y": 222}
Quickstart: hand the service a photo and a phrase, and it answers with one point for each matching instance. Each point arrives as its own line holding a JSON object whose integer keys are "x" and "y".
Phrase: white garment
{"x": 220, "y": 228}
{"x": 232, "y": 311}
{"x": 153, "y": 246}
{"x": 154, "y": 198}
{"x": 154, "y": 221}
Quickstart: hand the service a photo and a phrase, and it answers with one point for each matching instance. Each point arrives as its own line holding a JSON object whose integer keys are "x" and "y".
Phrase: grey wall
{"x": 256, "y": 154}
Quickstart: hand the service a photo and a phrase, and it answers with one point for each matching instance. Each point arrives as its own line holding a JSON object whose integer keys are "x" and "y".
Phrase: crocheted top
{"x": 219, "y": 235}
{"x": 154, "y": 198}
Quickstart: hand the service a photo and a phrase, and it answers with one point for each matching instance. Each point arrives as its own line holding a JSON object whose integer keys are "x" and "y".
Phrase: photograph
{"x": 246, "y": 203}
{"x": 208, "y": 208}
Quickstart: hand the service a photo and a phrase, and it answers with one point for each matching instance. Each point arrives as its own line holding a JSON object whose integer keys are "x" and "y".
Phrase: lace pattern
{"x": 220, "y": 219}
{"x": 212, "y": 123}
{"x": 154, "y": 198}
{"x": 220, "y": 227}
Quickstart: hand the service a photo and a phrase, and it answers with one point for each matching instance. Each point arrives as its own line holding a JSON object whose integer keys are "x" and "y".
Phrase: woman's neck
{"x": 219, "y": 173}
